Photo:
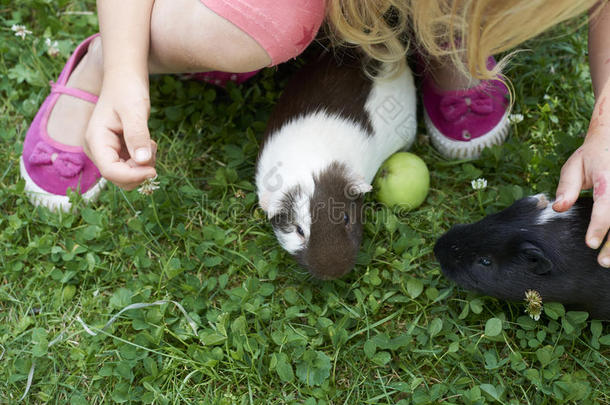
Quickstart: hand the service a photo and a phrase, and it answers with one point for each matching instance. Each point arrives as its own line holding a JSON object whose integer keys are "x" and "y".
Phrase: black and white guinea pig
{"x": 330, "y": 131}
{"x": 529, "y": 246}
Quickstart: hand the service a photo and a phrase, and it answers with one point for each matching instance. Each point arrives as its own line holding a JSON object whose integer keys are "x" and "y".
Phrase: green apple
{"x": 402, "y": 180}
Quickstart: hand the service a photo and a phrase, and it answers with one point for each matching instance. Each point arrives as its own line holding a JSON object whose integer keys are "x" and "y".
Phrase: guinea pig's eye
{"x": 345, "y": 218}
{"x": 300, "y": 231}
{"x": 484, "y": 261}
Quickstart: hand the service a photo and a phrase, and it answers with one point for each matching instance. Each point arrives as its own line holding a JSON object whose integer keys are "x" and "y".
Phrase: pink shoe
{"x": 221, "y": 78}
{"x": 461, "y": 123}
{"x": 49, "y": 167}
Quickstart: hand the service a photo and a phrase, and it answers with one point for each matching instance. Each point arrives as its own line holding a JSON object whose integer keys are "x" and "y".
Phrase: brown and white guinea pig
{"x": 330, "y": 131}
{"x": 529, "y": 246}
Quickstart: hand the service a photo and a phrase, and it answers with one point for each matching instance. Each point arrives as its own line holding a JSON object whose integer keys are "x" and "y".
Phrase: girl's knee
{"x": 297, "y": 24}
{"x": 188, "y": 36}
{"x": 282, "y": 29}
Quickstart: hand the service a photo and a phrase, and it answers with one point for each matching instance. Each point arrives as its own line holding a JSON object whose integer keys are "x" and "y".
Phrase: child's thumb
{"x": 137, "y": 138}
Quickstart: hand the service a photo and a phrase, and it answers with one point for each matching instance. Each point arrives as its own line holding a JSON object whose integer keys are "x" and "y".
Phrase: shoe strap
{"x": 78, "y": 93}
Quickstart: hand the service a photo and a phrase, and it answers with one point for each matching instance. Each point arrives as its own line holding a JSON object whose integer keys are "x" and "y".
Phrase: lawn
{"x": 235, "y": 320}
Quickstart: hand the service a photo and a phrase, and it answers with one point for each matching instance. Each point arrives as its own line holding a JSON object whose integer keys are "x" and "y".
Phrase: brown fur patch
{"x": 336, "y": 225}
{"x": 325, "y": 83}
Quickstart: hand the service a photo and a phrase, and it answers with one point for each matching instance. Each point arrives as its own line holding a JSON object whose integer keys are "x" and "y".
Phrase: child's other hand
{"x": 589, "y": 166}
{"x": 117, "y": 138}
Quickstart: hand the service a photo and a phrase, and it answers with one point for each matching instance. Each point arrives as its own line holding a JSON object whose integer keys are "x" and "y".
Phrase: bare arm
{"x": 589, "y": 166}
{"x": 599, "y": 49}
{"x": 125, "y": 30}
{"x": 117, "y": 138}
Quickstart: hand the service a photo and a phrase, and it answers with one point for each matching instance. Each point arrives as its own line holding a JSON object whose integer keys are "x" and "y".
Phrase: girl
{"x": 465, "y": 103}
{"x": 100, "y": 103}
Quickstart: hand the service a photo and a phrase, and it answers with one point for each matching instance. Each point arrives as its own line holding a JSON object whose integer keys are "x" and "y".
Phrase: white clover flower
{"x": 515, "y": 118}
{"x": 20, "y": 30}
{"x": 148, "y": 186}
{"x": 52, "y": 47}
{"x": 479, "y": 184}
{"x": 533, "y": 302}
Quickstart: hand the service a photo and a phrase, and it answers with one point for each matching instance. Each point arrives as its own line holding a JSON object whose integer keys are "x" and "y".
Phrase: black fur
{"x": 507, "y": 253}
{"x": 283, "y": 221}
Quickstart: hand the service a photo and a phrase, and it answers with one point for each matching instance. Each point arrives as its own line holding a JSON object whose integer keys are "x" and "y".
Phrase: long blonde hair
{"x": 466, "y": 31}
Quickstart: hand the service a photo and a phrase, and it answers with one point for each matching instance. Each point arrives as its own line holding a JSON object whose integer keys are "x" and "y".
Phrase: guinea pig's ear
{"x": 359, "y": 188}
{"x": 357, "y": 185}
{"x": 535, "y": 259}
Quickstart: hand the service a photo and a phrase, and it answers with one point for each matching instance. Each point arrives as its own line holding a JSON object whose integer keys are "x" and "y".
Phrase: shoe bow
{"x": 455, "y": 107}
{"x": 67, "y": 164}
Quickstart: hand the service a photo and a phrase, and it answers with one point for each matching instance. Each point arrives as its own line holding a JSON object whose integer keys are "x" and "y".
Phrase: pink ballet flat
{"x": 221, "y": 78}
{"x": 461, "y": 123}
{"x": 49, "y": 167}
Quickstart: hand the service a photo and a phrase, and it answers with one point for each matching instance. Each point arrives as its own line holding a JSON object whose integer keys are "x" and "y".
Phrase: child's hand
{"x": 117, "y": 138}
{"x": 589, "y": 166}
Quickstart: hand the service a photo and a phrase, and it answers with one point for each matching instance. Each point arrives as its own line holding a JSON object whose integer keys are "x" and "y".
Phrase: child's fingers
{"x": 598, "y": 227}
{"x": 600, "y": 216}
{"x": 570, "y": 183}
{"x": 604, "y": 256}
{"x": 126, "y": 176}
{"x": 104, "y": 146}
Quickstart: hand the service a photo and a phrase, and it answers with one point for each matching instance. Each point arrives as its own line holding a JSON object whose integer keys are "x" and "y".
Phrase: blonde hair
{"x": 466, "y": 31}
{"x": 376, "y": 26}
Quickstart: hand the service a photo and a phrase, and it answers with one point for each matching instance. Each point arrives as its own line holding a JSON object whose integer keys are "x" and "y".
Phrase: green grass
{"x": 393, "y": 330}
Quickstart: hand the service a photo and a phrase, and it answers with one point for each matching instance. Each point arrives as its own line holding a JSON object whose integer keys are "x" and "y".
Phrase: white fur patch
{"x": 543, "y": 200}
{"x": 547, "y": 213}
{"x": 292, "y": 241}
{"x": 302, "y": 149}
{"x": 392, "y": 111}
